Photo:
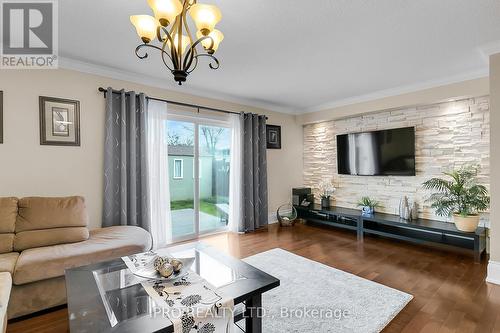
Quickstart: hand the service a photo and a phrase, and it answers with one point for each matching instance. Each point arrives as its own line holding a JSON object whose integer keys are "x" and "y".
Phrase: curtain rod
{"x": 101, "y": 89}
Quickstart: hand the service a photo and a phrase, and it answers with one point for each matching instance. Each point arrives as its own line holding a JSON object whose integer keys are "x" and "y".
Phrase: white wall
{"x": 27, "y": 168}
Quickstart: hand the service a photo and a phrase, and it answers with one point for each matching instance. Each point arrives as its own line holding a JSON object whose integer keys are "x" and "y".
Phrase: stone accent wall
{"x": 448, "y": 135}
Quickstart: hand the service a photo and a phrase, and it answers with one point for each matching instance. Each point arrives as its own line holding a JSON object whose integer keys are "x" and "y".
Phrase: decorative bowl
{"x": 149, "y": 272}
{"x": 286, "y": 215}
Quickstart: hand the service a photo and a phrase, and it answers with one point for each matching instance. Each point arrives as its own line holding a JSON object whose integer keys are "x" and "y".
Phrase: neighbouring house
{"x": 214, "y": 173}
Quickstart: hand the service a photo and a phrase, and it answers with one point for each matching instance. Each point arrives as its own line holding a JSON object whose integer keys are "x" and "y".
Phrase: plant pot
{"x": 325, "y": 202}
{"x": 467, "y": 224}
{"x": 367, "y": 210}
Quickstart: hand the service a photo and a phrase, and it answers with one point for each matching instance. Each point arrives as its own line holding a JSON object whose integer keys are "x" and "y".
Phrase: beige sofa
{"x": 41, "y": 237}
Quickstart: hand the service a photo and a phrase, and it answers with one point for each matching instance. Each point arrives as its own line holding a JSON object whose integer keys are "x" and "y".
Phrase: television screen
{"x": 377, "y": 153}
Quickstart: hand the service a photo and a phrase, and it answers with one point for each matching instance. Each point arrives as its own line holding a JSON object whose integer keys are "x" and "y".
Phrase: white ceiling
{"x": 301, "y": 56}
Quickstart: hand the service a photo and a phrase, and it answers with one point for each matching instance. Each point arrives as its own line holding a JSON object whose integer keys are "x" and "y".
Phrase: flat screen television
{"x": 378, "y": 153}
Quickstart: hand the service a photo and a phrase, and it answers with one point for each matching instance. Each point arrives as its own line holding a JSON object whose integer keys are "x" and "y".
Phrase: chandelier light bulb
{"x": 205, "y": 17}
{"x": 184, "y": 42}
{"x": 165, "y": 11}
{"x": 216, "y": 36}
{"x": 145, "y": 25}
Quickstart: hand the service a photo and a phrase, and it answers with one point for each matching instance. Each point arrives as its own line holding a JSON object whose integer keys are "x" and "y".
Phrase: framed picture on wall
{"x": 273, "y": 136}
{"x": 59, "y": 121}
{"x": 1, "y": 116}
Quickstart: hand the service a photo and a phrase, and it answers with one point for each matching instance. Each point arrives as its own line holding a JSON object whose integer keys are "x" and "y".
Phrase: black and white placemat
{"x": 191, "y": 303}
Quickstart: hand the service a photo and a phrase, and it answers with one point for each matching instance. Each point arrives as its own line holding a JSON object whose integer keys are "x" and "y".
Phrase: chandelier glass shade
{"x": 170, "y": 28}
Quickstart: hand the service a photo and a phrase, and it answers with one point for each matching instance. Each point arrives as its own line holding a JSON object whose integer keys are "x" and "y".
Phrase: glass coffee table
{"x": 107, "y": 297}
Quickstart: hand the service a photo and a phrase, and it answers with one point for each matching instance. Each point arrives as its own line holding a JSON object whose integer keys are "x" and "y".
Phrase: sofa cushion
{"x": 38, "y": 214}
{"x": 104, "y": 244}
{"x": 8, "y": 213}
{"x": 6, "y": 243}
{"x": 8, "y": 262}
{"x": 38, "y": 238}
{"x": 38, "y": 296}
{"x": 44, "y": 213}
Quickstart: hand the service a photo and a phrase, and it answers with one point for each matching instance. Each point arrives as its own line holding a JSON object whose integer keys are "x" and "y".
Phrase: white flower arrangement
{"x": 326, "y": 187}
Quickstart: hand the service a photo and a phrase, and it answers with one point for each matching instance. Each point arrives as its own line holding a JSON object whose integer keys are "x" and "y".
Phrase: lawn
{"x": 206, "y": 205}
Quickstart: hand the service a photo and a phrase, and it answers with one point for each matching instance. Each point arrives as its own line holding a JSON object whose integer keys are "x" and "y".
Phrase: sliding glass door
{"x": 181, "y": 178}
{"x": 214, "y": 160}
{"x": 199, "y": 157}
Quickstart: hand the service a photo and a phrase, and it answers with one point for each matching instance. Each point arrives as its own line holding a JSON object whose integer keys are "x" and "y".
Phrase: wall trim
{"x": 402, "y": 108}
{"x": 493, "y": 275}
{"x": 138, "y": 78}
{"x": 118, "y": 74}
{"x": 411, "y": 88}
{"x": 489, "y": 49}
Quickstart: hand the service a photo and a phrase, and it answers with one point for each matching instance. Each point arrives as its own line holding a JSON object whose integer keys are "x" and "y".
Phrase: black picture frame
{"x": 273, "y": 136}
{"x": 43, "y": 133}
{"x": 1, "y": 116}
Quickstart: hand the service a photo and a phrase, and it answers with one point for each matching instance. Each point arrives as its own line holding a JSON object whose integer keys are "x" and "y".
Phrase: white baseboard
{"x": 493, "y": 272}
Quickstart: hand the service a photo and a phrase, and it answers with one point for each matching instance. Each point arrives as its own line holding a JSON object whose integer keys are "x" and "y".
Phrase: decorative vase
{"x": 414, "y": 211}
{"x": 325, "y": 202}
{"x": 367, "y": 210}
{"x": 404, "y": 209}
{"x": 467, "y": 224}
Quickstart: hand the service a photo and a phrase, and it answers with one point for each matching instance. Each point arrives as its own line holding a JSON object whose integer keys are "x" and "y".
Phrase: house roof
{"x": 181, "y": 150}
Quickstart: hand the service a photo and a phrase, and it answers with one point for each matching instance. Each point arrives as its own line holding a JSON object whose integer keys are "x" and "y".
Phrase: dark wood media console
{"x": 421, "y": 231}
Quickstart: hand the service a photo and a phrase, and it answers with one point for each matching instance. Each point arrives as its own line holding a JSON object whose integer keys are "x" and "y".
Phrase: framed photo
{"x": 59, "y": 121}
{"x": 273, "y": 135}
{"x": 1, "y": 116}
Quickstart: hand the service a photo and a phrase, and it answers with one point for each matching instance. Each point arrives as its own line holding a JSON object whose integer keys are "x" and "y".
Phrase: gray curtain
{"x": 125, "y": 160}
{"x": 255, "y": 214}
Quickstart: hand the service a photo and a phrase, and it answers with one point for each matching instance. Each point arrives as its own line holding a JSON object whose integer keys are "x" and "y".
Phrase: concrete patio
{"x": 183, "y": 222}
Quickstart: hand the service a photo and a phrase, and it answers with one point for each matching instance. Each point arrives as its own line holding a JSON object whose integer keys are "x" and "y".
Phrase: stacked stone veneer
{"x": 448, "y": 135}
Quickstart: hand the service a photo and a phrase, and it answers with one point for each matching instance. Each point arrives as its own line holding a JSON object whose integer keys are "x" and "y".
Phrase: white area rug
{"x": 337, "y": 301}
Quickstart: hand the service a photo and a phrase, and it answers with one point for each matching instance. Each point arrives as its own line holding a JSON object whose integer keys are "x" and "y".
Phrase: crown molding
{"x": 118, "y": 74}
{"x": 487, "y": 50}
{"x": 481, "y": 73}
{"x": 133, "y": 77}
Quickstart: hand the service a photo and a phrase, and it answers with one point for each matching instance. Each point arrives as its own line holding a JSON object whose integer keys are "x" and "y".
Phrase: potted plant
{"x": 368, "y": 205}
{"x": 459, "y": 195}
{"x": 327, "y": 189}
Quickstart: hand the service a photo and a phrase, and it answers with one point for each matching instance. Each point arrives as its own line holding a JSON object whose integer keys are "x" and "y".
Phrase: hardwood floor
{"x": 449, "y": 291}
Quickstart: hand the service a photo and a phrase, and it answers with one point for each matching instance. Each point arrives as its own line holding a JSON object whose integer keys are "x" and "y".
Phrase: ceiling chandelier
{"x": 179, "y": 51}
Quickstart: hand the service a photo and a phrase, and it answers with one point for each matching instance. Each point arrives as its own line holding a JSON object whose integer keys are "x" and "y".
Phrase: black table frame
{"x": 421, "y": 231}
{"x": 87, "y": 313}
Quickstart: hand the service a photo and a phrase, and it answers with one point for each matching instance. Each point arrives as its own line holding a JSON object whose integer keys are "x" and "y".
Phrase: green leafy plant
{"x": 459, "y": 194}
{"x": 368, "y": 202}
